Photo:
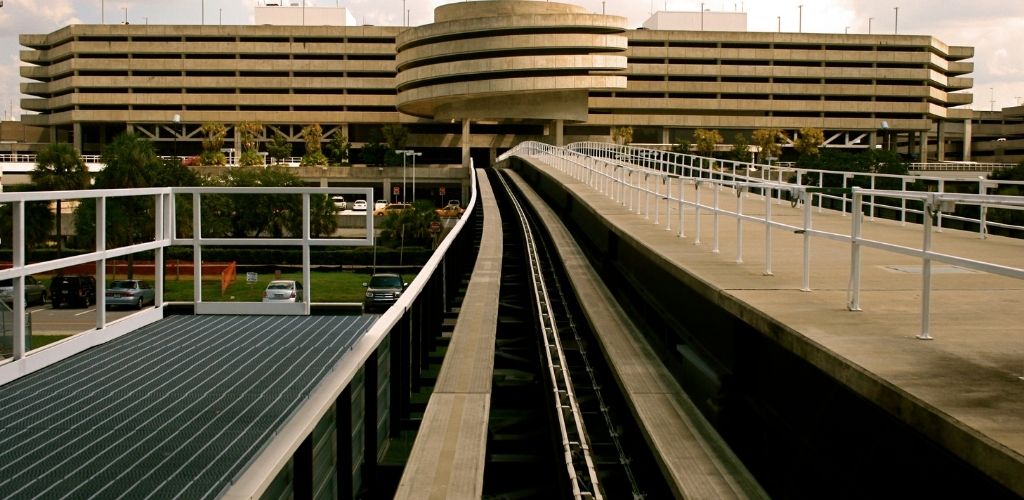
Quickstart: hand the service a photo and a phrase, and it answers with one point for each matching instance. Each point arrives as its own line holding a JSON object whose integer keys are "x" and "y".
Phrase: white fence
{"x": 621, "y": 173}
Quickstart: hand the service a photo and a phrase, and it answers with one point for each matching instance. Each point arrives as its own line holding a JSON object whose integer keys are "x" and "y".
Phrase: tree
{"x": 213, "y": 142}
{"x": 38, "y": 220}
{"x": 707, "y": 141}
{"x": 809, "y": 140}
{"x": 766, "y": 139}
{"x": 409, "y": 226}
{"x": 249, "y": 134}
{"x": 337, "y": 149}
{"x": 395, "y": 137}
{"x": 279, "y": 148}
{"x": 741, "y": 149}
{"x": 313, "y": 134}
{"x": 373, "y": 153}
{"x": 622, "y": 135}
{"x": 59, "y": 168}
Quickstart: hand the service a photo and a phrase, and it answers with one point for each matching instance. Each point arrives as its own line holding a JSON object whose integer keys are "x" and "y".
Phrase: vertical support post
{"x": 872, "y": 207}
{"x": 657, "y": 199}
{"x": 668, "y": 202}
{"x": 942, "y": 189}
{"x": 343, "y": 439}
{"x": 302, "y": 470}
{"x": 926, "y": 269}
{"x": 903, "y": 204}
{"x": 370, "y": 417}
{"x": 766, "y": 194}
{"x": 307, "y": 288}
{"x": 682, "y": 205}
{"x": 845, "y": 185}
{"x": 18, "y": 346}
{"x": 715, "y": 188}
{"x": 696, "y": 208}
{"x": 465, "y": 142}
{"x": 647, "y": 195}
{"x": 163, "y": 201}
{"x": 101, "y": 265}
{"x": 858, "y": 215}
{"x": 806, "y": 283}
{"x": 739, "y": 224}
{"x": 197, "y": 251}
{"x": 400, "y": 373}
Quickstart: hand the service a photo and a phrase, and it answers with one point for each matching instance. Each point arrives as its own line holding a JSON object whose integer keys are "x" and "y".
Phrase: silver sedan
{"x": 131, "y": 293}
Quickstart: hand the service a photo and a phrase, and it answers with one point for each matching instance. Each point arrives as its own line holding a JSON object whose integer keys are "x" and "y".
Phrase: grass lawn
{"x": 335, "y": 286}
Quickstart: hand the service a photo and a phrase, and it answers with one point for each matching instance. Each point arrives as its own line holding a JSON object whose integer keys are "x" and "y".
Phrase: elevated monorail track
{"x": 566, "y": 417}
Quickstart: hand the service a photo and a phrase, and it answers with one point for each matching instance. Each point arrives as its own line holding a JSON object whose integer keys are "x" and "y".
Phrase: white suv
{"x": 339, "y": 202}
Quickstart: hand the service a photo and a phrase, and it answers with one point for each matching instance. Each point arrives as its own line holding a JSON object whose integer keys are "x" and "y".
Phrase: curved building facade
{"x": 489, "y": 74}
{"x": 509, "y": 60}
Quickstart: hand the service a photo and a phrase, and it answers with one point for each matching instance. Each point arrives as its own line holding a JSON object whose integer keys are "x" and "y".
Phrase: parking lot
{"x": 67, "y": 321}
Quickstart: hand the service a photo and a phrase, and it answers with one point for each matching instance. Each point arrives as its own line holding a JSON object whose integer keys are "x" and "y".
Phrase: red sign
{"x": 396, "y": 190}
{"x": 435, "y": 227}
{"x": 441, "y": 190}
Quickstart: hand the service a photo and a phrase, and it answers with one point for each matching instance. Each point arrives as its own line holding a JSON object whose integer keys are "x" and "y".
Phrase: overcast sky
{"x": 995, "y": 28}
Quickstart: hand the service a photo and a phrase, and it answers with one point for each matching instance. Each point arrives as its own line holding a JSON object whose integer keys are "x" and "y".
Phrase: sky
{"x": 995, "y": 28}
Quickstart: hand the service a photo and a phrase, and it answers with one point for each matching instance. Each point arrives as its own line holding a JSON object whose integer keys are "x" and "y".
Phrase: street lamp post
{"x": 896, "y": 21}
{"x": 404, "y": 153}
{"x": 414, "y": 155}
{"x": 869, "y": 25}
{"x": 800, "y": 20}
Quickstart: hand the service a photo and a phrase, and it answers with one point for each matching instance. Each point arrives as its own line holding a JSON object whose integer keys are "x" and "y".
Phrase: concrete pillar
{"x": 76, "y": 136}
{"x": 967, "y": 139}
{"x": 559, "y": 126}
{"x": 665, "y": 136}
{"x": 465, "y": 142}
{"x": 873, "y": 139}
{"x": 492, "y": 156}
{"x": 940, "y": 141}
{"x": 386, "y": 195}
{"x": 923, "y": 147}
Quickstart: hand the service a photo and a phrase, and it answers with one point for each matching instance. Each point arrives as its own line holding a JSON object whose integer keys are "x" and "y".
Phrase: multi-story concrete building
{"x": 486, "y": 75}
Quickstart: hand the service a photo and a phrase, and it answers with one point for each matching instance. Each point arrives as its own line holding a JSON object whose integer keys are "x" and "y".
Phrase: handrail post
{"x": 18, "y": 249}
{"x": 942, "y": 189}
{"x": 739, "y": 223}
{"x": 682, "y": 207}
{"x": 714, "y": 190}
{"x": 767, "y": 195}
{"x": 926, "y": 268}
{"x": 668, "y": 202}
{"x": 872, "y": 206}
{"x": 903, "y": 204}
{"x": 857, "y": 213}
{"x": 647, "y": 195}
{"x": 696, "y": 238}
{"x": 657, "y": 200}
{"x": 808, "y": 202}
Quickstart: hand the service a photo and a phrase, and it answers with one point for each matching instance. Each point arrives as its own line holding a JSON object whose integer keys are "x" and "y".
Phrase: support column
{"x": 302, "y": 469}
{"x": 386, "y": 195}
{"x": 873, "y": 139}
{"x": 940, "y": 141}
{"x": 665, "y": 135}
{"x": 923, "y": 147}
{"x": 465, "y": 142}
{"x": 559, "y": 126}
{"x": 76, "y": 136}
{"x": 967, "y": 139}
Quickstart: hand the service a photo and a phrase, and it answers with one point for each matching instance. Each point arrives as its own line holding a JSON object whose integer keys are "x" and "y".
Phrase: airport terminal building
{"x": 486, "y": 75}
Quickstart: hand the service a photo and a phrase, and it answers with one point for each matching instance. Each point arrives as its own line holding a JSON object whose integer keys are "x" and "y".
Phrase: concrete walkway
{"x": 963, "y": 389}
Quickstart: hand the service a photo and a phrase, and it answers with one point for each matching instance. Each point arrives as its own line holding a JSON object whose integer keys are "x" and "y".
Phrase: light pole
{"x": 869, "y": 25}
{"x": 896, "y": 21}
{"x": 404, "y": 153}
{"x": 779, "y": 20}
{"x": 414, "y": 155}
{"x": 800, "y": 20}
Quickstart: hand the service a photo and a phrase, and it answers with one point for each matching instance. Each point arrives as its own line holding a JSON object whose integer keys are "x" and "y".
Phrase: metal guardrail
{"x": 616, "y": 171}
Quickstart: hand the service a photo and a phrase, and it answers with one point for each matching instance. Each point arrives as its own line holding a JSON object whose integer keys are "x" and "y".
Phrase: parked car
{"x": 72, "y": 290}
{"x": 131, "y": 293}
{"x": 359, "y": 206}
{"x": 382, "y": 291}
{"x": 339, "y": 202}
{"x": 452, "y": 210}
{"x": 392, "y": 208}
{"x": 379, "y": 204}
{"x": 35, "y": 292}
{"x": 283, "y": 291}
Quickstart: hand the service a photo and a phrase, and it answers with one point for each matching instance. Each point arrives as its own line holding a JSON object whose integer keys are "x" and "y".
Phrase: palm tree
{"x": 131, "y": 163}
{"x": 59, "y": 168}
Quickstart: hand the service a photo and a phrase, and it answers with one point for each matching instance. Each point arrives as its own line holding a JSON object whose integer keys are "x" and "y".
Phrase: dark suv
{"x": 76, "y": 290}
{"x": 382, "y": 291}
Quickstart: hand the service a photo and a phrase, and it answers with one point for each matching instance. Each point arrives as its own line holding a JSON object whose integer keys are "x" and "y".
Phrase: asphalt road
{"x": 67, "y": 321}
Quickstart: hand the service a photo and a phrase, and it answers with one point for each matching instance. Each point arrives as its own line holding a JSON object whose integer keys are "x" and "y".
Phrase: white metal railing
{"x": 164, "y": 235}
{"x": 623, "y": 173}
